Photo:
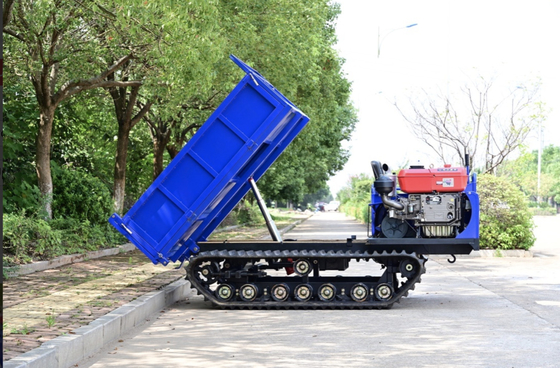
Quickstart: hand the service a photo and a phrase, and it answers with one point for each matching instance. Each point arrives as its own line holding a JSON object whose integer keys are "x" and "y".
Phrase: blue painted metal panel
{"x": 204, "y": 182}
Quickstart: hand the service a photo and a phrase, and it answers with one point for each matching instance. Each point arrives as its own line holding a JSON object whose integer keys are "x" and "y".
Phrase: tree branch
{"x": 7, "y": 15}
{"x": 141, "y": 113}
{"x": 13, "y": 34}
{"x": 71, "y": 88}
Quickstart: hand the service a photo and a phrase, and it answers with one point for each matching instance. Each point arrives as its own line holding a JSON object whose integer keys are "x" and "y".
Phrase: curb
{"x": 65, "y": 260}
{"x": 491, "y": 253}
{"x": 82, "y": 343}
{"x": 287, "y": 228}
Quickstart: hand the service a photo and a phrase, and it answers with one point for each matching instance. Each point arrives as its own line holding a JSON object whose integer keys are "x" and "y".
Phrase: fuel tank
{"x": 442, "y": 180}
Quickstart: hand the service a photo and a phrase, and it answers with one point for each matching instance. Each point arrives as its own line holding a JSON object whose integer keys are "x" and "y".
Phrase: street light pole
{"x": 539, "y": 162}
{"x": 380, "y": 41}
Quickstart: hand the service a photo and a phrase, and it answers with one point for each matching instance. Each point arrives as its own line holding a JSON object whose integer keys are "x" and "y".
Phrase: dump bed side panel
{"x": 203, "y": 183}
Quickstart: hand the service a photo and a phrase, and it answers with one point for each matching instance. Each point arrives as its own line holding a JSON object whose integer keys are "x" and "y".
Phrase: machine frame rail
{"x": 423, "y": 246}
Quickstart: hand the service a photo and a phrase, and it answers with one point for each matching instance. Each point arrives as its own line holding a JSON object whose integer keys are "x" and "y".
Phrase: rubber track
{"x": 312, "y": 254}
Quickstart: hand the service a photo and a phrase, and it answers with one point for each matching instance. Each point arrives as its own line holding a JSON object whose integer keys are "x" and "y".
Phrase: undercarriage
{"x": 303, "y": 275}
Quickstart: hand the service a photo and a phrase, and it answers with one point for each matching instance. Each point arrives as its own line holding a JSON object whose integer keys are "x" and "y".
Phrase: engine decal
{"x": 448, "y": 182}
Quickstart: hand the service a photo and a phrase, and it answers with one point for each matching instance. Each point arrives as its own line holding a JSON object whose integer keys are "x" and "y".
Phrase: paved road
{"x": 492, "y": 312}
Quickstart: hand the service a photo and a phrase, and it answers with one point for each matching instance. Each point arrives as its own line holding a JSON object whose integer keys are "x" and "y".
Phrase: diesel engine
{"x": 420, "y": 202}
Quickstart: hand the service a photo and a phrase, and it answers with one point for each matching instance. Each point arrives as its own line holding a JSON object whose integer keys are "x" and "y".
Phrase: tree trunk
{"x": 124, "y": 105}
{"x": 43, "y": 159}
{"x": 120, "y": 167}
{"x": 160, "y": 143}
{"x": 172, "y": 150}
{"x": 160, "y": 131}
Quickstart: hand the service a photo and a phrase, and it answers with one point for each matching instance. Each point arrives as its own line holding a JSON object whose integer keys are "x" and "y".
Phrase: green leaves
{"x": 505, "y": 221}
{"x": 180, "y": 54}
{"x": 81, "y": 196}
{"x": 355, "y": 197}
{"x": 523, "y": 172}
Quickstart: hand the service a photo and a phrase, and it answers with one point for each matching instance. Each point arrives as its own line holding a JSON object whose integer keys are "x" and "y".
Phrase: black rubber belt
{"x": 216, "y": 255}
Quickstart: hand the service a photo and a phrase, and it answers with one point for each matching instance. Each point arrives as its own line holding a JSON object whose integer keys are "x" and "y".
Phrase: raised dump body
{"x": 204, "y": 182}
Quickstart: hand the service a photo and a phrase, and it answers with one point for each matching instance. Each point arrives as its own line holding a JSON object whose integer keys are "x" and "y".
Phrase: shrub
{"x": 505, "y": 220}
{"x": 28, "y": 238}
{"x": 543, "y": 211}
{"x": 248, "y": 213}
{"x": 356, "y": 197}
{"x": 80, "y": 196}
{"x": 25, "y": 238}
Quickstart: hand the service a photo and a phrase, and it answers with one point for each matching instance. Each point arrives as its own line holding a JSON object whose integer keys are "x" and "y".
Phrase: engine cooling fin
{"x": 237, "y": 279}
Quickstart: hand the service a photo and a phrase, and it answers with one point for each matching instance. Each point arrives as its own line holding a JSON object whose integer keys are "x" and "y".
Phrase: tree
{"x": 481, "y": 121}
{"x": 355, "y": 197}
{"x": 183, "y": 124}
{"x": 311, "y": 78}
{"x": 67, "y": 47}
{"x": 523, "y": 172}
{"x": 175, "y": 47}
{"x": 124, "y": 102}
{"x": 54, "y": 43}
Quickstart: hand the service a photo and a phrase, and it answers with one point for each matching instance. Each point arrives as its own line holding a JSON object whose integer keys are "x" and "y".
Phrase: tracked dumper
{"x": 419, "y": 213}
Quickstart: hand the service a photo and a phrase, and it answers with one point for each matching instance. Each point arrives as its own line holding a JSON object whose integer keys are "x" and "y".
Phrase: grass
{"x": 51, "y": 320}
{"x": 101, "y": 303}
{"x": 24, "y": 331}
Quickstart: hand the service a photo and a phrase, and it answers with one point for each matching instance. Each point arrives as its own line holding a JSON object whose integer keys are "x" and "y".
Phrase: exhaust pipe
{"x": 384, "y": 185}
{"x": 389, "y": 202}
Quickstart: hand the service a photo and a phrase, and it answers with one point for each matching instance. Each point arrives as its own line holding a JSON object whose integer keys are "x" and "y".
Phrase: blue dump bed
{"x": 205, "y": 181}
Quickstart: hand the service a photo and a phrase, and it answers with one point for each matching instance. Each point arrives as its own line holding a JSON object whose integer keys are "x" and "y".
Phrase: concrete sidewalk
{"x": 43, "y": 305}
{"x": 478, "y": 312}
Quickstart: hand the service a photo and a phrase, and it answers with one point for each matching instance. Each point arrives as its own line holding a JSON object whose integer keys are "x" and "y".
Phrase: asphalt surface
{"x": 481, "y": 312}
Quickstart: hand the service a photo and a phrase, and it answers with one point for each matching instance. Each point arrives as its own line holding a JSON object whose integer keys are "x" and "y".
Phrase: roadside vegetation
{"x": 99, "y": 97}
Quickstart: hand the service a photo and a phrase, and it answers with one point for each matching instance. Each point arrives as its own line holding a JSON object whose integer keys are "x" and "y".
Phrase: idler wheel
{"x": 248, "y": 292}
{"x": 359, "y": 292}
{"x": 303, "y": 292}
{"x": 407, "y": 269}
{"x": 384, "y": 292}
{"x": 280, "y": 292}
{"x": 327, "y": 292}
{"x": 208, "y": 274}
{"x": 302, "y": 267}
{"x": 224, "y": 292}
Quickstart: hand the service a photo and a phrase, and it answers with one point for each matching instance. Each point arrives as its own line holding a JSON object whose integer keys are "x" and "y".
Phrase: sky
{"x": 453, "y": 44}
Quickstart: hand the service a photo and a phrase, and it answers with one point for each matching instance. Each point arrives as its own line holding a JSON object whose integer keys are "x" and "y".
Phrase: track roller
{"x": 225, "y": 292}
{"x": 326, "y": 292}
{"x": 248, "y": 292}
{"x": 384, "y": 291}
{"x": 280, "y": 292}
{"x": 302, "y": 267}
{"x": 359, "y": 292}
{"x": 303, "y": 292}
{"x": 407, "y": 269}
